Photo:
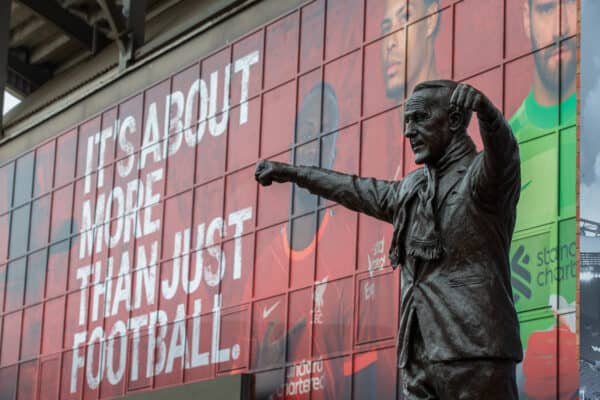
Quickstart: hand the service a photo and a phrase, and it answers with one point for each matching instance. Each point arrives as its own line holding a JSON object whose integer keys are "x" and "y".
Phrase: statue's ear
{"x": 455, "y": 119}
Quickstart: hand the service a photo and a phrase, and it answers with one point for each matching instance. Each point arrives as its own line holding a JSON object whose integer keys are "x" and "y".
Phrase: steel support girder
{"x": 127, "y": 24}
{"x": 136, "y": 20}
{"x": 34, "y": 75}
{"x": 72, "y": 26}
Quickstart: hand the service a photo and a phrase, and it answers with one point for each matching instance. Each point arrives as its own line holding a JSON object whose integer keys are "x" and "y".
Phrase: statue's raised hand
{"x": 268, "y": 172}
{"x": 466, "y": 97}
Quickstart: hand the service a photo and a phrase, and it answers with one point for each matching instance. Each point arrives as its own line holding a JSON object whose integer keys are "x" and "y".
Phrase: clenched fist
{"x": 269, "y": 171}
{"x": 466, "y": 97}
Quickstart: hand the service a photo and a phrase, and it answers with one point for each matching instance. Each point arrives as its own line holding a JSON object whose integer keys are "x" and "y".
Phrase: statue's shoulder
{"x": 414, "y": 175}
{"x": 411, "y": 181}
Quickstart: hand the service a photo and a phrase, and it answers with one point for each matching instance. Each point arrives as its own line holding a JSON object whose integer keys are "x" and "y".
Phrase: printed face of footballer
{"x": 542, "y": 26}
{"x": 394, "y": 48}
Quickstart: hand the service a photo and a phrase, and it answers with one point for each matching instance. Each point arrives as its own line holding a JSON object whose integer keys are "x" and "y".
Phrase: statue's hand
{"x": 467, "y": 97}
{"x": 269, "y": 171}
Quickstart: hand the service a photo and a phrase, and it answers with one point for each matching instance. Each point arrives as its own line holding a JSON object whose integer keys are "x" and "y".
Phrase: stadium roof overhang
{"x": 42, "y": 41}
{"x": 42, "y": 38}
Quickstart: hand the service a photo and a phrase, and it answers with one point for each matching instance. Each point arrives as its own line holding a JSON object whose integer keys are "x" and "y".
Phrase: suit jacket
{"x": 463, "y": 300}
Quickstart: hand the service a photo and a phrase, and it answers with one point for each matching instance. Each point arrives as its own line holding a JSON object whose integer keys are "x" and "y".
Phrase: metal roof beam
{"x": 115, "y": 18}
{"x": 43, "y": 53}
{"x": 23, "y": 31}
{"x": 128, "y": 24}
{"x": 136, "y": 20}
{"x": 71, "y": 25}
{"x": 135, "y": 13}
{"x": 18, "y": 84}
{"x": 34, "y": 75}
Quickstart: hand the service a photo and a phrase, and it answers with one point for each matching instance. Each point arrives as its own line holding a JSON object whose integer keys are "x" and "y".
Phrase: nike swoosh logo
{"x": 523, "y": 187}
{"x": 268, "y": 311}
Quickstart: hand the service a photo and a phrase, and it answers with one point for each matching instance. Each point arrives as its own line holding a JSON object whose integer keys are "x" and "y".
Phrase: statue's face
{"x": 426, "y": 117}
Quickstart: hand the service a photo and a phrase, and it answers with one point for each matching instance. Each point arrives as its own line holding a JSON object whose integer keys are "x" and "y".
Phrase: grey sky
{"x": 9, "y": 102}
{"x": 590, "y": 89}
{"x": 590, "y": 110}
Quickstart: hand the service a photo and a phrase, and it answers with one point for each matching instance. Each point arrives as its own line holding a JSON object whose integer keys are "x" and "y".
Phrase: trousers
{"x": 473, "y": 379}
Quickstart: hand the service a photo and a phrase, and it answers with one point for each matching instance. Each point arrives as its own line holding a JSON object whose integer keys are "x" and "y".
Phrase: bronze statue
{"x": 453, "y": 222}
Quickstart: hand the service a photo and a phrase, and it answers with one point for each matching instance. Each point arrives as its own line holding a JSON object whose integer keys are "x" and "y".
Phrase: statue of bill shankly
{"x": 453, "y": 221}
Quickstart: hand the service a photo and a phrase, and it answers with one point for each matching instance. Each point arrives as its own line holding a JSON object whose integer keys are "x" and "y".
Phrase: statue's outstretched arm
{"x": 367, "y": 195}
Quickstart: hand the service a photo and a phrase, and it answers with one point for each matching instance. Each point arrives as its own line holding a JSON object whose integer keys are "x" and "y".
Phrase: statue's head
{"x": 431, "y": 122}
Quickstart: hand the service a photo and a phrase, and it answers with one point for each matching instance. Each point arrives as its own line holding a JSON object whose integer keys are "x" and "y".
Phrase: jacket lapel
{"x": 452, "y": 178}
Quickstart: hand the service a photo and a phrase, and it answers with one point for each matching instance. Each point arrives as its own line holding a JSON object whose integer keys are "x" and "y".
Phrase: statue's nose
{"x": 410, "y": 131}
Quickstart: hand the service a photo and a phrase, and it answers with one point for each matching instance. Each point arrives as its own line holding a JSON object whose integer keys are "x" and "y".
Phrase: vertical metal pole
{"x": 136, "y": 20}
{"x": 4, "y": 44}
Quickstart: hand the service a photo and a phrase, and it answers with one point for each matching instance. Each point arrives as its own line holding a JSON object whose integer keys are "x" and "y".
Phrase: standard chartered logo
{"x": 538, "y": 267}
{"x": 519, "y": 264}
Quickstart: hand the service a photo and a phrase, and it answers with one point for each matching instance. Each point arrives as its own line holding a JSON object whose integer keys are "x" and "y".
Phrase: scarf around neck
{"x": 424, "y": 239}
